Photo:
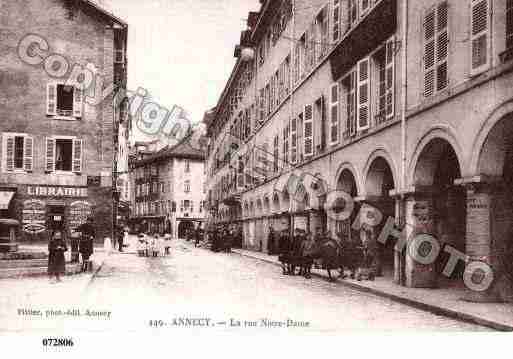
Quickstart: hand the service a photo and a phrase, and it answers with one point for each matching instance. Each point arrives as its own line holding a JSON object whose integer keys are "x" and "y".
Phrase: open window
{"x": 64, "y": 100}
{"x": 64, "y": 154}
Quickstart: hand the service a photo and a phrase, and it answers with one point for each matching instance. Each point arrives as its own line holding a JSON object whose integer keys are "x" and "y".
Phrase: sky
{"x": 181, "y": 51}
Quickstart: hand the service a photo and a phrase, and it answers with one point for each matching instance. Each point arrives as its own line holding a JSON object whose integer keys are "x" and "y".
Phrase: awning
{"x": 5, "y": 198}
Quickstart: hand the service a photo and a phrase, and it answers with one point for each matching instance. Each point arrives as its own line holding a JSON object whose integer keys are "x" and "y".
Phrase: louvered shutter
{"x": 28, "y": 154}
{"x": 363, "y": 95}
{"x": 77, "y": 155}
{"x": 442, "y": 46}
{"x": 336, "y": 20}
{"x": 293, "y": 140}
{"x": 50, "y": 155}
{"x": 9, "y": 156}
{"x": 429, "y": 53}
{"x": 480, "y": 30}
{"x": 334, "y": 114}
{"x": 390, "y": 79}
{"x": 77, "y": 102}
{"x": 351, "y": 104}
{"x": 51, "y": 99}
{"x": 308, "y": 131}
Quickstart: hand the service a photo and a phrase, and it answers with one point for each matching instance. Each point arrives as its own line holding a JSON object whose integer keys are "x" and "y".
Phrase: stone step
{"x": 23, "y": 263}
{"x": 35, "y": 271}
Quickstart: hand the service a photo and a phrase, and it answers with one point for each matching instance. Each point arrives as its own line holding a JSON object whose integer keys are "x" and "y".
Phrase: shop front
{"x": 42, "y": 209}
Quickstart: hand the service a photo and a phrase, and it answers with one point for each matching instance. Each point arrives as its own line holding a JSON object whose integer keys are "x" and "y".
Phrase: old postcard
{"x": 275, "y": 167}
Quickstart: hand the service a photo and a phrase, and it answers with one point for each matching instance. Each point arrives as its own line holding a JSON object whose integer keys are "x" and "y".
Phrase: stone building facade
{"x": 58, "y": 138}
{"x": 168, "y": 187}
{"x": 404, "y": 105}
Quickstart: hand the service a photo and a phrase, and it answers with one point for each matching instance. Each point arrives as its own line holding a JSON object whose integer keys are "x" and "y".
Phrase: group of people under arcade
{"x": 223, "y": 238}
{"x": 302, "y": 250}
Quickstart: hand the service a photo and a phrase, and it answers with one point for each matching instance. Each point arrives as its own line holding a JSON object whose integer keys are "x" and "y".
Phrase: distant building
{"x": 168, "y": 186}
{"x": 57, "y": 148}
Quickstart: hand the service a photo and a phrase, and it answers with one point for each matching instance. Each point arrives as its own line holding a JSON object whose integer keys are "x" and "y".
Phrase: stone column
{"x": 489, "y": 225}
{"x": 419, "y": 220}
{"x": 399, "y": 256}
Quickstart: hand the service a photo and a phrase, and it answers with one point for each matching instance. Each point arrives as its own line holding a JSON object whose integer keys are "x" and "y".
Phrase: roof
{"x": 99, "y": 8}
{"x": 184, "y": 149}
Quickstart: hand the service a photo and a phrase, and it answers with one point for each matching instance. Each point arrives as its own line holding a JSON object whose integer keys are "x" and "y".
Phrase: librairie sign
{"x": 57, "y": 191}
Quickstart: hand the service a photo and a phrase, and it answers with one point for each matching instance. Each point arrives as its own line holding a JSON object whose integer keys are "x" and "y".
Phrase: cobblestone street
{"x": 196, "y": 283}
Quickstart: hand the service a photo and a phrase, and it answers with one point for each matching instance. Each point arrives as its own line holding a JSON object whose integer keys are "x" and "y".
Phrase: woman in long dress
{"x": 56, "y": 261}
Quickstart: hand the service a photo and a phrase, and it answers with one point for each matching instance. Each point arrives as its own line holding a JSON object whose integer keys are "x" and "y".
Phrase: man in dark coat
{"x": 86, "y": 242}
{"x": 56, "y": 261}
{"x": 270, "y": 241}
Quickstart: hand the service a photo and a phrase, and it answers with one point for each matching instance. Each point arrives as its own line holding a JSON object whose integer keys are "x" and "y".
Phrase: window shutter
{"x": 51, "y": 99}
{"x": 363, "y": 95}
{"x": 28, "y": 155}
{"x": 480, "y": 29}
{"x": 293, "y": 140}
{"x": 50, "y": 155}
{"x": 442, "y": 46}
{"x": 9, "y": 153}
{"x": 77, "y": 155}
{"x": 390, "y": 78}
{"x": 334, "y": 110}
{"x": 336, "y": 20}
{"x": 351, "y": 104}
{"x": 308, "y": 131}
{"x": 429, "y": 53}
{"x": 77, "y": 102}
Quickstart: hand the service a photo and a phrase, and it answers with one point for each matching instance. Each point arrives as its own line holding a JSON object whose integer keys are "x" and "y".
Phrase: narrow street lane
{"x": 196, "y": 289}
{"x": 198, "y": 283}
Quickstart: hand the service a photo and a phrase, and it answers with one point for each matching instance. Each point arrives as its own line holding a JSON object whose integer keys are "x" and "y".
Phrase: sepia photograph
{"x": 173, "y": 168}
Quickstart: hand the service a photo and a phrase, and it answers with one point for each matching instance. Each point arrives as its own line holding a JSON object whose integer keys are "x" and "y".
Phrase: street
{"x": 197, "y": 289}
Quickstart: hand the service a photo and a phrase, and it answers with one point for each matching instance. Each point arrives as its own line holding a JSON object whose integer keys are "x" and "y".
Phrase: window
{"x": 384, "y": 59}
{"x": 308, "y": 131}
{"x": 349, "y": 84}
{"x": 297, "y": 62}
{"x": 352, "y": 9}
{"x": 509, "y": 24}
{"x": 436, "y": 47}
{"x": 480, "y": 34}
{"x": 285, "y": 149}
{"x": 336, "y": 21}
{"x": 19, "y": 152}
{"x": 267, "y": 102}
{"x": 334, "y": 110}
{"x": 276, "y": 152}
{"x": 364, "y": 6}
{"x": 187, "y": 166}
{"x": 321, "y": 25}
{"x": 187, "y": 186}
{"x": 293, "y": 140}
{"x": 63, "y": 154}
{"x": 63, "y": 100}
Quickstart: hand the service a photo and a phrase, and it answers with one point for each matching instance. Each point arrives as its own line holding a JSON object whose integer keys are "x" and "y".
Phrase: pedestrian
{"x": 56, "y": 262}
{"x": 141, "y": 245}
{"x": 167, "y": 243}
{"x": 197, "y": 237}
{"x": 154, "y": 245}
{"x": 270, "y": 241}
{"x": 121, "y": 236}
{"x": 107, "y": 245}
{"x": 88, "y": 234}
{"x": 308, "y": 251}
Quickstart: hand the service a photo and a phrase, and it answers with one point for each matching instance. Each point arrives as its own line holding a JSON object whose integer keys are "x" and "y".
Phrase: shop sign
{"x": 57, "y": 191}
{"x": 33, "y": 217}
{"x": 79, "y": 211}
